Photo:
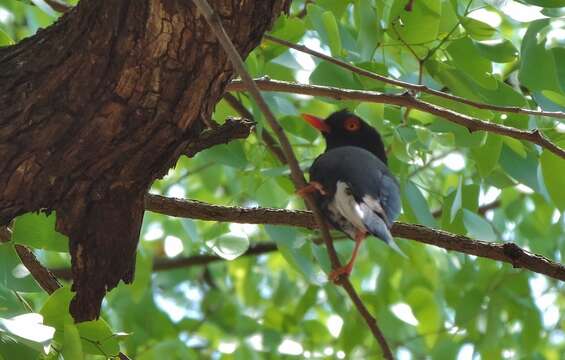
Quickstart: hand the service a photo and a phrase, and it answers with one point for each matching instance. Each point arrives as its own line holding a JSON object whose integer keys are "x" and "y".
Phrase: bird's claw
{"x": 311, "y": 187}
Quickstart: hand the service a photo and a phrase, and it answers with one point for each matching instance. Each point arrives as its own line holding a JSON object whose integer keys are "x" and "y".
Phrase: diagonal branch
{"x": 505, "y": 252}
{"x": 295, "y": 171}
{"x": 406, "y": 100}
{"x": 271, "y": 143}
{"x": 415, "y": 87}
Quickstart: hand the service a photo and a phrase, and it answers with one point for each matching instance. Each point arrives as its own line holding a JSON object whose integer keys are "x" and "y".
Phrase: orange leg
{"x": 312, "y": 186}
{"x": 346, "y": 270}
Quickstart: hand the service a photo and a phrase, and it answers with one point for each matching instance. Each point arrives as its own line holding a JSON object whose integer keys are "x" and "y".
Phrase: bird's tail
{"x": 381, "y": 231}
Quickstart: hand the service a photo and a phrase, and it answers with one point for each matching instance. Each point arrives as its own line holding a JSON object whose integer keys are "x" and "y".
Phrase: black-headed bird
{"x": 351, "y": 182}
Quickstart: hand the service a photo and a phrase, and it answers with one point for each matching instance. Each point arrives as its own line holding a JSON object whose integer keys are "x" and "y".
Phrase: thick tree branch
{"x": 136, "y": 94}
{"x": 505, "y": 252}
{"x": 415, "y": 87}
{"x": 296, "y": 173}
{"x": 406, "y": 100}
{"x": 230, "y": 130}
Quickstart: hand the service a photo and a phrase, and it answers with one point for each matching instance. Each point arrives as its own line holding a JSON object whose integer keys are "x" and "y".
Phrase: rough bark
{"x": 97, "y": 106}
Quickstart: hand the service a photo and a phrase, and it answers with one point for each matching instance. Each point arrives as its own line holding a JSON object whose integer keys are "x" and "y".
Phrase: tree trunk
{"x": 97, "y": 106}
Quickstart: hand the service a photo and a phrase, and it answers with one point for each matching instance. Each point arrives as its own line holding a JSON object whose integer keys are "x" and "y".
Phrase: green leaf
{"x": 332, "y": 75}
{"x": 229, "y": 246}
{"x": 426, "y": 310}
{"x": 547, "y": 3}
{"x": 422, "y": 23}
{"x": 469, "y": 60}
{"x": 523, "y": 170}
{"x": 536, "y": 57}
{"x": 38, "y": 231}
{"x": 499, "y": 51}
{"x": 98, "y": 338}
{"x": 143, "y": 271}
{"x": 231, "y": 154}
{"x": 336, "y": 7}
{"x": 55, "y": 311}
{"x": 551, "y": 167}
{"x": 478, "y": 30}
{"x": 72, "y": 346}
{"x": 477, "y": 227}
{"x": 306, "y": 302}
{"x": 487, "y": 155}
{"x": 330, "y": 25}
{"x": 29, "y": 330}
{"x": 418, "y": 205}
{"x": 296, "y": 251}
{"x": 287, "y": 28}
{"x": 5, "y": 39}
{"x": 12, "y": 276}
{"x": 468, "y": 307}
{"x": 369, "y": 29}
{"x": 314, "y": 17}
{"x": 44, "y": 7}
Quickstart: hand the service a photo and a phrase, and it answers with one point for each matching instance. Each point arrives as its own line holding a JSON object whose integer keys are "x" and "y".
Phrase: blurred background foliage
{"x": 433, "y": 304}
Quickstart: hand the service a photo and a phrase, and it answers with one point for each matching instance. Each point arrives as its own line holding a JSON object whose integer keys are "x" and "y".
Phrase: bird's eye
{"x": 352, "y": 124}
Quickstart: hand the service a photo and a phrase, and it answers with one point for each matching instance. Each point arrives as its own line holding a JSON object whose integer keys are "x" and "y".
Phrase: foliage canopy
{"x": 279, "y": 305}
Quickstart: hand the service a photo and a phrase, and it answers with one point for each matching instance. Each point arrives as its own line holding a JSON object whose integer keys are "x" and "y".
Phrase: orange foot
{"x": 336, "y": 274}
{"x": 310, "y": 188}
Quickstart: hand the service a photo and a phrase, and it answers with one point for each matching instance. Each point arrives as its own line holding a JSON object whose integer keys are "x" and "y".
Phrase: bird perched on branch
{"x": 351, "y": 182}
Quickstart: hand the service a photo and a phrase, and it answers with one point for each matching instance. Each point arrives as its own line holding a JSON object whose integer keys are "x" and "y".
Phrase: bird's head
{"x": 343, "y": 128}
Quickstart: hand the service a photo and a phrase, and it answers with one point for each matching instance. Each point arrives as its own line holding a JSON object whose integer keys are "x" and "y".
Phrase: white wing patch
{"x": 346, "y": 205}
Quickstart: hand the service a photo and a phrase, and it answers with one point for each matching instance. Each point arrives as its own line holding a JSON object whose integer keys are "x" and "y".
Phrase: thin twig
{"x": 295, "y": 171}
{"x": 59, "y": 6}
{"x": 406, "y": 100}
{"x": 481, "y": 210}
{"x": 505, "y": 252}
{"x": 448, "y": 36}
{"x": 412, "y": 51}
{"x": 415, "y": 87}
{"x": 302, "y": 14}
{"x": 429, "y": 163}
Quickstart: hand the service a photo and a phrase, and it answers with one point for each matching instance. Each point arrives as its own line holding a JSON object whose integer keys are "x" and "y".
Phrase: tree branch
{"x": 407, "y": 100}
{"x": 414, "y": 87}
{"x": 296, "y": 173}
{"x": 59, "y": 6}
{"x": 230, "y": 130}
{"x": 164, "y": 264}
{"x": 505, "y": 252}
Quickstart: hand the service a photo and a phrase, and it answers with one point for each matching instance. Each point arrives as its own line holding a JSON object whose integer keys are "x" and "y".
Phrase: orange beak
{"x": 317, "y": 123}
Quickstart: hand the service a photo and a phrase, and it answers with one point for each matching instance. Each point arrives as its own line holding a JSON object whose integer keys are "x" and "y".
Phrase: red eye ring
{"x": 352, "y": 124}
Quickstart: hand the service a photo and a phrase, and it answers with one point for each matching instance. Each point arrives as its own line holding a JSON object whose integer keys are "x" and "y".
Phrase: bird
{"x": 351, "y": 183}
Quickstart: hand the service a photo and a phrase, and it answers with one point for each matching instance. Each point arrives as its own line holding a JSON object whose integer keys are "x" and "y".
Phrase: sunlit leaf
{"x": 29, "y": 329}
{"x": 38, "y": 231}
